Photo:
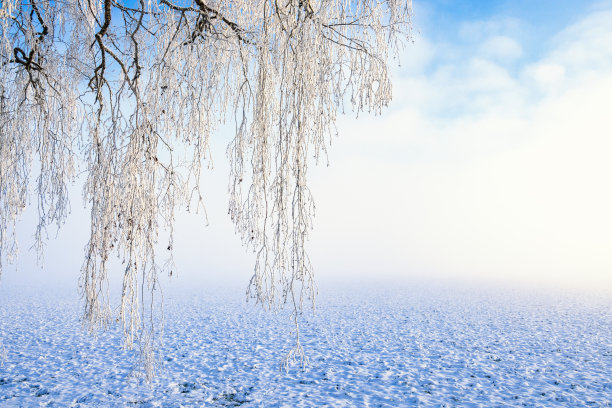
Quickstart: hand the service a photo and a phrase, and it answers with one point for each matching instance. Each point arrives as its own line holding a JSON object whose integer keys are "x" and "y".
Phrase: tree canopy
{"x": 130, "y": 93}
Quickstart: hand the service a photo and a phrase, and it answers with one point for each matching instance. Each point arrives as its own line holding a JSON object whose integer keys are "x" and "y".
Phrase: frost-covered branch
{"x": 132, "y": 92}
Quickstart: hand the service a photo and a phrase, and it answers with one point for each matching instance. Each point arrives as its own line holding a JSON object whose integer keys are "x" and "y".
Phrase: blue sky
{"x": 491, "y": 163}
{"x": 439, "y": 18}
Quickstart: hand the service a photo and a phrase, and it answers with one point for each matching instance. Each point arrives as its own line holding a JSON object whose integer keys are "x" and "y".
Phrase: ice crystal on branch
{"x": 132, "y": 91}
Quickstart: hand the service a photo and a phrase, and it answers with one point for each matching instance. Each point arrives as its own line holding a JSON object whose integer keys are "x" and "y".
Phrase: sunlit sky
{"x": 494, "y": 161}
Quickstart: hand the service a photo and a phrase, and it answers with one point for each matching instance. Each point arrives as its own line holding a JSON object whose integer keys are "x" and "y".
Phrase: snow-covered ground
{"x": 400, "y": 347}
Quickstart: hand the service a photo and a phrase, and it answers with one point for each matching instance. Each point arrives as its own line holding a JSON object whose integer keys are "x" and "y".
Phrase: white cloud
{"x": 478, "y": 172}
{"x": 546, "y": 74}
{"x": 476, "y": 30}
{"x": 503, "y": 48}
{"x": 584, "y": 47}
{"x": 422, "y": 52}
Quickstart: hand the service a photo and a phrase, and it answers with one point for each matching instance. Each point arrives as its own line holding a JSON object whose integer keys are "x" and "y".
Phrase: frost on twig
{"x": 131, "y": 92}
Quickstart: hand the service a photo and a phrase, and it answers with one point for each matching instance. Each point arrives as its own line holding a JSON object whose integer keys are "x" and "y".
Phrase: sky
{"x": 492, "y": 163}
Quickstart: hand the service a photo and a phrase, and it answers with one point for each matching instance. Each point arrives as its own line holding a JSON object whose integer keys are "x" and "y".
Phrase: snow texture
{"x": 418, "y": 346}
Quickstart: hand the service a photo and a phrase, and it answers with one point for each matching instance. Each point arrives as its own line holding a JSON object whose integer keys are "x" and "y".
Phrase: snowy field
{"x": 413, "y": 346}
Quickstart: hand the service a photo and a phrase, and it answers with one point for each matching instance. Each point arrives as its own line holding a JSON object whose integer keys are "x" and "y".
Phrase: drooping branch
{"x": 133, "y": 91}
